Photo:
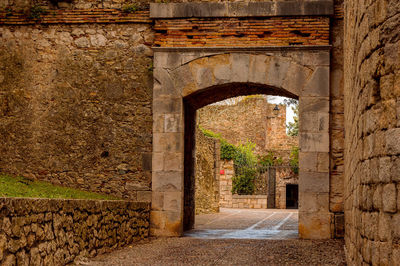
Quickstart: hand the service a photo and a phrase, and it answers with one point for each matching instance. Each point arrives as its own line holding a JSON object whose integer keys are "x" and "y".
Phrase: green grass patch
{"x": 22, "y": 187}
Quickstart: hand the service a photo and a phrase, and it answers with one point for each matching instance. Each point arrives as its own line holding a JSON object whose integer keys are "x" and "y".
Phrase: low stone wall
{"x": 227, "y": 200}
{"x": 58, "y": 231}
{"x": 249, "y": 201}
{"x": 284, "y": 176}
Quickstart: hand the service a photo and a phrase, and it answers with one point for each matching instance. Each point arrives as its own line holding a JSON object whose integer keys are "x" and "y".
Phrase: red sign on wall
{"x": 222, "y": 172}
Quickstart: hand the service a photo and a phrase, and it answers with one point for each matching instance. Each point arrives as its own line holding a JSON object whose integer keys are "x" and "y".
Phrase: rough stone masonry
{"x": 77, "y": 100}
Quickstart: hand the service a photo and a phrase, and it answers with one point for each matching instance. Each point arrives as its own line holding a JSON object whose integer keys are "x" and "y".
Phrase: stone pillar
{"x": 314, "y": 214}
{"x": 168, "y": 147}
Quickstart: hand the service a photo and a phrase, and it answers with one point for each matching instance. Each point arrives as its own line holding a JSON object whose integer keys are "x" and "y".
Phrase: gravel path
{"x": 192, "y": 251}
{"x": 232, "y": 237}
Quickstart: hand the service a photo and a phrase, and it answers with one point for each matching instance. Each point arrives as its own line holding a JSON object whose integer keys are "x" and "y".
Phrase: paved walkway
{"x": 233, "y": 237}
{"x": 247, "y": 224}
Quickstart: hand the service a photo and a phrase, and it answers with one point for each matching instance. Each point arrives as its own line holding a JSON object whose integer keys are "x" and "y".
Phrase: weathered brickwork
{"x": 58, "y": 232}
{"x": 80, "y": 16}
{"x": 372, "y": 113}
{"x": 207, "y": 174}
{"x": 272, "y": 31}
{"x": 252, "y": 119}
{"x": 75, "y": 106}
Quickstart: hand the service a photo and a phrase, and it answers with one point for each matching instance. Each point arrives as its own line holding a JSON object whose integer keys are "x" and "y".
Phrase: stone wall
{"x": 250, "y": 119}
{"x": 284, "y": 176}
{"x": 207, "y": 174}
{"x": 225, "y": 184}
{"x": 372, "y": 115}
{"x": 227, "y": 200}
{"x": 75, "y": 100}
{"x": 58, "y": 232}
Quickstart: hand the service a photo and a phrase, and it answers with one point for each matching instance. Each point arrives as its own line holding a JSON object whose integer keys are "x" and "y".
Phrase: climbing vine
{"x": 247, "y": 165}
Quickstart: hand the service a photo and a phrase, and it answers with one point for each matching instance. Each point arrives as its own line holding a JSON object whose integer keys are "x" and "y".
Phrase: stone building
{"x": 251, "y": 119}
{"x": 85, "y": 102}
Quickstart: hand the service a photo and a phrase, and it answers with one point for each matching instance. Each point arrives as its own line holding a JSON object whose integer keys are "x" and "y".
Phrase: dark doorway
{"x": 292, "y": 196}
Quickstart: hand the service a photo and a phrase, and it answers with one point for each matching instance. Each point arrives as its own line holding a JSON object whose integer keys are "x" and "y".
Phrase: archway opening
{"x": 196, "y": 102}
{"x": 188, "y": 80}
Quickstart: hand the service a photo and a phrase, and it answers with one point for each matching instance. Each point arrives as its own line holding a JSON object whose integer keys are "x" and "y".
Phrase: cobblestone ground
{"x": 232, "y": 237}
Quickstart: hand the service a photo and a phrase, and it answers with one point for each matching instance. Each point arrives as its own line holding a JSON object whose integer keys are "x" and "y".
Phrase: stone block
{"x": 313, "y": 104}
{"x": 157, "y": 200}
{"x": 240, "y": 67}
{"x": 173, "y": 123}
{"x": 173, "y": 223}
{"x": 385, "y": 169}
{"x": 182, "y": 77}
{"x": 173, "y": 201}
{"x": 389, "y": 198}
{"x": 167, "y": 181}
{"x": 240, "y": 9}
{"x": 313, "y": 182}
{"x": 158, "y": 123}
{"x": 160, "y": 60}
{"x": 323, "y": 162}
{"x": 377, "y": 198}
{"x": 308, "y": 161}
{"x": 314, "y": 202}
{"x": 395, "y": 173}
{"x": 318, "y": 85}
{"x": 258, "y": 69}
{"x": 173, "y": 161}
{"x": 157, "y": 220}
{"x": 168, "y": 142}
{"x": 167, "y": 105}
{"x": 315, "y": 225}
{"x": 222, "y": 74}
{"x": 296, "y": 78}
{"x": 314, "y": 142}
{"x": 203, "y": 76}
{"x": 393, "y": 141}
{"x": 314, "y": 122}
{"x": 384, "y": 228}
{"x": 163, "y": 84}
{"x": 158, "y": 161}
{"x": 276, "y": 71}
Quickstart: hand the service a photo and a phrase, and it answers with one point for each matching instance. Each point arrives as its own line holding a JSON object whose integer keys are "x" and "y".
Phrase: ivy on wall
{"x": 248, "y": 166}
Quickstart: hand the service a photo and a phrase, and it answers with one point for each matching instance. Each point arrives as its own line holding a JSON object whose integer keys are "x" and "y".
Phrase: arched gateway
{"x": 189, "y": 78}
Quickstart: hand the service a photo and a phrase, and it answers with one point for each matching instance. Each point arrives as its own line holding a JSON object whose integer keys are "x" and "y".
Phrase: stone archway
{"x": 186, "y": 79}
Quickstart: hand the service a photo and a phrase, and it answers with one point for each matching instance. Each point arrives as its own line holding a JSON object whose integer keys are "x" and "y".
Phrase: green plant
{"x": 36, "y": 12}
{"x": 294, "y": 159}
{"x": 130, "y": 8}
{"x": 242, "y": 185}
{"x": 268, "y": 160}
{"x": 228, "y": 151}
